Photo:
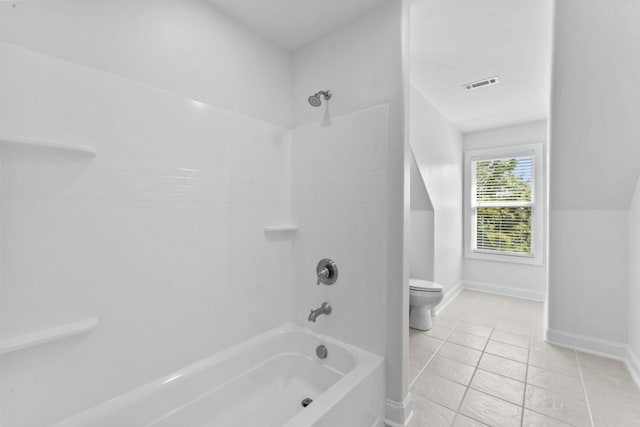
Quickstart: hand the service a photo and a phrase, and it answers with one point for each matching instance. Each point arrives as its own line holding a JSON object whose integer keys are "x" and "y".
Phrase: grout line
{"x": 461, "y": 318}
{"x": 433, "y": 354}
{"x": 475, "y": 369}
{"x": 526, "y": 381}
{"x": 584, "y": 388}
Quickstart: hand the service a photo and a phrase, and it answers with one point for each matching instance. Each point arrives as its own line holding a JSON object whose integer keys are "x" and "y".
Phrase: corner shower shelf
{"x": 277, "y": 228}
{"x": 31, "y": 339}
{"x": 21, "y": 141}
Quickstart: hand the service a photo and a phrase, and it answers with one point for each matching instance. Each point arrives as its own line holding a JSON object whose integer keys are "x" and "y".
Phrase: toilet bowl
{"x": 424, "y": 296}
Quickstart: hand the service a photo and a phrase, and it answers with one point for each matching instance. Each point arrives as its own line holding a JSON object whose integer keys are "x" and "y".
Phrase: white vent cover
{"x": 481, "y": 83}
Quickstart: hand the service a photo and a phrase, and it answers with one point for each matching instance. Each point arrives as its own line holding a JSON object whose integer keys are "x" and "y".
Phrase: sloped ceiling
{"x": 420, "y": 200}
{"x": 294, "y": 23}
{"x": 595, "y": 118}
{"x": 454, "y": 42}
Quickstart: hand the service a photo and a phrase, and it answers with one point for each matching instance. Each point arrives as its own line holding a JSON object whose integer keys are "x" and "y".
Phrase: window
{"x": 503, "y": 215}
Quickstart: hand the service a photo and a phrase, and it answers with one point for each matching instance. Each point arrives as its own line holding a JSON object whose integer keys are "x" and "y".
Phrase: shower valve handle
{"x": 323, "y": 274}
{"x": 327, "y": 272}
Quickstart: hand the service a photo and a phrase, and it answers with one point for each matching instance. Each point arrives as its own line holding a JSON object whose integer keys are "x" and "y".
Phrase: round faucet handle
{"x": 327, "y": 271}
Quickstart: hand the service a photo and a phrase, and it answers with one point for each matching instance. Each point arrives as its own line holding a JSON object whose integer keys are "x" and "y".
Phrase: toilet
{"x": 424, "y": 296}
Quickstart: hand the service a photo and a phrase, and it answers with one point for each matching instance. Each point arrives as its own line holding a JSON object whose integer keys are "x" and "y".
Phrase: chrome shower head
{"x": 315, "y": 101}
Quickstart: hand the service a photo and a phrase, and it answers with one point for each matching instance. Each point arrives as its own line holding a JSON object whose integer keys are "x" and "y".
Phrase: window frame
{"x": 537, "y": 204}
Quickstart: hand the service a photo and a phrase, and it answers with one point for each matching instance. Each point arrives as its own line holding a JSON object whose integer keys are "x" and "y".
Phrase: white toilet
{"x": 424, "y": 296}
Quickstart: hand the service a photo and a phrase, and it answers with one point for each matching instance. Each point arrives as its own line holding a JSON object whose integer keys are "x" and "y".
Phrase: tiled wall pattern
{"x": 485, "y": 363}
{"x": 339, "y": 180}
{"x": 160, "y": 235}
{"x": 23, "y": 181}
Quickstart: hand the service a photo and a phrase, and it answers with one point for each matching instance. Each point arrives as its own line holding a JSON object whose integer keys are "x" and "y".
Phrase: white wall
{"x": 634, "y": 282}
{"x": 510, "y": 278}
{"x": 595, "y": 163}
{"x": 160, "y": 235}
{"x": 355, "y": 214}
{"x": 422, "y": 238}
{"x": 594, "y": 124}
{"x": 437, "y": 147}
{"x": 588, "y": 292}
{"x": 183, "y": 46}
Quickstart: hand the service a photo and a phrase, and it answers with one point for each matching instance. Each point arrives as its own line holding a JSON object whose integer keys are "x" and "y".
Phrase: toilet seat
{"x": 418, "y": 285}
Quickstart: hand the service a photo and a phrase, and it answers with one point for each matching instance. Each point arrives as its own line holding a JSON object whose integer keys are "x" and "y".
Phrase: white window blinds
{"x": 502, "y": 199}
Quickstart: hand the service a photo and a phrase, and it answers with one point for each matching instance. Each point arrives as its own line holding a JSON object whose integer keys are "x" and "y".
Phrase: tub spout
{"x": 325, "y": 308}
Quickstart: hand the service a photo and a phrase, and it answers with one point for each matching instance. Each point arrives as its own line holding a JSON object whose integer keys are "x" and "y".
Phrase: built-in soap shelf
{"x": 280, "y": 228}
{"x": 22, "y": 141}
{"x": 31, "y": 339}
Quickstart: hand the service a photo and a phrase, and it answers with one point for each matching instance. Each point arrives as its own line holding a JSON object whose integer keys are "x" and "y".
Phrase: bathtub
{"x": 259, "y": 382}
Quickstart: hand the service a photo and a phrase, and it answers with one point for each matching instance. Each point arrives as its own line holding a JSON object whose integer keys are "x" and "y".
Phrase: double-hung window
{"x": 503, "y": 215}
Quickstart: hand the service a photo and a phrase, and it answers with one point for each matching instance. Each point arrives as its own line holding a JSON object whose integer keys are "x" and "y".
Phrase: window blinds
{"x": 502, "y": 202}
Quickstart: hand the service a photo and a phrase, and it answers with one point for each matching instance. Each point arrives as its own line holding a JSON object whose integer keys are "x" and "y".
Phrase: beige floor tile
{"x": 485, "y": 321}
{"x": 608, "y": 418}
{"x": 446, "y": 321}
{"x": 440, "y": 332}
{"x": 539, "y": 344}
{"x": 615, "y": 400}
{"x": 533, "y": 419}
{"x": 506, "y": 367}
{"x": 507, "y": 351}
{"x": 453, "y": 312}
{"x": 554, "y": 395}
{"x": 498, "y": 386}
{"x": 460, "y": 353}
{"x": 514, "y": 326}
{"x": 439, "y": 390}
{"x": 599, "y": 371}
{"x": 490, "y": 410}
{"x": 556, "y": 405}
{"x": 451, "y": 369}
{"x": 515, "y": 314}
{"x": 554, "y": 381}
{"x": 610, "y": 366}
{"x": 557, "y": 361}
{"x": 462, "y": 421}
{"x": 467, "y": 340}
{"x": 511, "y": 338}
{"x": 418, "y": 356}
{"x": 417, "y": 363}
{"x": 424, "y": 341}
{"x": 473, "y": 329}
{"x": 428, "y": 413}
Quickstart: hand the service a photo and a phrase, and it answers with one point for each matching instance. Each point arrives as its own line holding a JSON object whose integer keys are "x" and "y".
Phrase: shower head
{"x": 315, "y": 101}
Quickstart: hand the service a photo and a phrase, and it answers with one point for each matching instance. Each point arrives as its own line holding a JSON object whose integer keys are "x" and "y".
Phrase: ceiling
{"x": 294, "y": 23}
{"x": 454, "y": 42}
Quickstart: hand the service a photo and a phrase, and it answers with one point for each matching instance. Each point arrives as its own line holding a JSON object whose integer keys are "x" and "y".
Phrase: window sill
{"x": 497, "y": 257}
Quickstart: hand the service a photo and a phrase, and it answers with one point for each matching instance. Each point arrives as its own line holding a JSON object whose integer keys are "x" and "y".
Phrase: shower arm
{"x": 325, "y": 93}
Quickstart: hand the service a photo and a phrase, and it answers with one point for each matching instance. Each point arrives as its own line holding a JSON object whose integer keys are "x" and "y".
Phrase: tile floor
{"x": 485, "y": 363}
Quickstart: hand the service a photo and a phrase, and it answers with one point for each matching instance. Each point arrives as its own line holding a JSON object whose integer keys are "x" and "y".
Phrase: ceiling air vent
{"x": 481, "y": 83}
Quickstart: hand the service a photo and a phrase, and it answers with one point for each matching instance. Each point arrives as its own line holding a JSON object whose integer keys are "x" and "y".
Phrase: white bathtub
{"x": 260, "y": 382}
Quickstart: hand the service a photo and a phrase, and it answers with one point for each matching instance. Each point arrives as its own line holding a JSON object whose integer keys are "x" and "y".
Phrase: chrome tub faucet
{"x": 325, "y": 308}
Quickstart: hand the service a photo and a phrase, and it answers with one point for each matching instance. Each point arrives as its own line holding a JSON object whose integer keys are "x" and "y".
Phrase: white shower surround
{"x": 238, "y": 174}
{"x": 160, "y": 236}
{"x": 177, "y": 272}
{"x": 260, "y": 382}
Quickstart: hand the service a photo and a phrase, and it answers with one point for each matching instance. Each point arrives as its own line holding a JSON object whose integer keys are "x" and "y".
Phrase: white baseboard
{"x": 398, "y": 413}
{"x": 449, "y": 296}
{"x": 505, "y": 290}
{"x": 597, "y": 346}
{"x": 633, "y": 364}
